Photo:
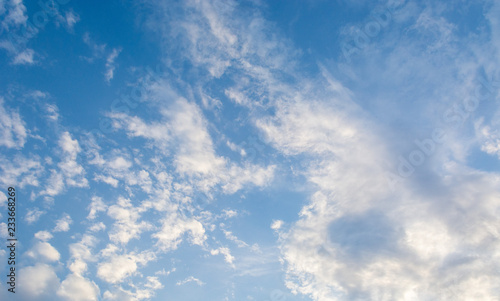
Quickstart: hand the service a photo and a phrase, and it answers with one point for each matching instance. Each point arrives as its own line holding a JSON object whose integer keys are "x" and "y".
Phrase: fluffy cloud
{"x": 62, "y": 224}
{"x": 43, "y": 235}
{"x": 96, "y": 206}
{"x": 78, "y": 288}
{"x": 73, "y": 171}
{"x": 184, "y": 132}
{"x": 127, "y": 225}
{"x": 37, "y": 282}
{"x": 81, "y": 253}
{"x": 33, "y": 215}
{"x": 21, "y": 170}
{"x": 12, "y": 128}
{"x": 55, "y": 184}
{"x": 43, "y": 251}
{"x": 119, "y": 267}
{"x": 173, "y": 229}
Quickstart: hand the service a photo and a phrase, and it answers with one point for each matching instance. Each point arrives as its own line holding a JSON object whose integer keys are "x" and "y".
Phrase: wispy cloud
{"x": 13, "y": 132}
{"x": 110, "y": 64}
{"x": 27, "y": 57}
{"x": 100, "y": 51}
{"x": 190, "y": 279}
{"x": 335, "y": 128}
{"x": 339, "y": 128}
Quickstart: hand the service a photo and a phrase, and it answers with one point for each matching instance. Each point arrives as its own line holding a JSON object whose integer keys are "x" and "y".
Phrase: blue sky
{"x": 251, "y": 150}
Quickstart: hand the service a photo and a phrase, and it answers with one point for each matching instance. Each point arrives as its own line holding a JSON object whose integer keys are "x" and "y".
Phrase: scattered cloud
{"x": 33, "y": 215}
{"x": 15, "y": 14}
{"x": 100, "y": 51}
{"x": 127, "y": 225}
{"x": 190, "y": 279}
{"x": 63, "y": 224}
{"x": 78, "y": 288}
{"x": 174, "y": 227}
{"x": 27, "y": 57}
{"x": 119, "y": 267}
{"x": 43, "y": 235}
{"x": 73, "y": 172}
{"x": 39, "y": 282}
{"x": 96, "y": 206}
{"x": 43, "y": 251}
{"x": 226, "y": 253}
{"x": 338, "y": 131}
{"x": 277, "y": 224}
{"x": 12, "y": 128}
{"x": 110, "y": 64}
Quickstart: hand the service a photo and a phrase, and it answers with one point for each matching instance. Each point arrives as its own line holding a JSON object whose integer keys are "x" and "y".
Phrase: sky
{"x": 251, "y": 150}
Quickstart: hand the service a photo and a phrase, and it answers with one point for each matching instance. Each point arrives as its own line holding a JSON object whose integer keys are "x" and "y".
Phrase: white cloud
{"x": 12, "y": 128}
{"x": 43, "y": 235}
{"x": 173, "y": 229}
{"x": 98, "y": 50}
{"x": 190, "y": 279}
{"x": 4, "y": 232}
{"x": 68, "y": 145}
{"x": 119, "y": 163}
{"x": 21, "y": 170}
{"x": 119, "y": 267}
{"x": 97, "y": 227}
{"x": 54, "y": 185}
{"x": 488, "y": 137}
{"x": 226, "y": 253}
{"x": 62, "y": 224}
{"x": 71, "y": 19}
{"x": 96, "y": 206}
{"x": 107, "y": 179}
{"x": 73, "y": 172}
{"x": 78, "y": 288}
{"x": 43, "y": 251}
{"x": 356, "y": 239}
{"x": 52, "y": 112}
{"x": 81, "y": 253}
{"x": 33, "y": 215}
{"x": 110, "y": 64}
{"x": 146, "y": 292}
{"x": 184, "y": 132}
{"x": 236, "y": 148}
{"x": 16, "y": 14}
{"x": 277, "y": 224}
{"x": 38, "y": 281}
{"x": 119, "y": 295}
{"x": 153, "y": 283}
{"x": 3, "y": 200}
{"x": 127, "y": 225}
{"x": 165, "y": 273}
{"x": 26, "y": 57}
{"x": 229, "y": 213}
{"x": 229, "y": 235}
